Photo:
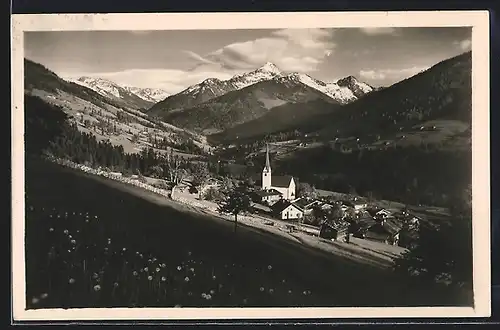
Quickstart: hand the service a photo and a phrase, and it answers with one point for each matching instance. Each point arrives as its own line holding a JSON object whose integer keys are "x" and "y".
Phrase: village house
{"x": 334, "y": 230}
{"x": 286, "y": 210}
{"x": 385, "y": 231}
{"x": 308, "y": 204}
{"x": 383, "y": 213}
{"x": 284, "y": 184}
{"x": 268, "y": 197}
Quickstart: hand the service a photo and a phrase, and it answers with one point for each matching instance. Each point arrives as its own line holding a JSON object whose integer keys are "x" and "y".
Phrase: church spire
{"x": 268, "y": 163}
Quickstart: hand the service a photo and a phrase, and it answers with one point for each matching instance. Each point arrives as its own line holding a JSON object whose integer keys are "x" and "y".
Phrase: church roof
{"x": 281, "y": 181}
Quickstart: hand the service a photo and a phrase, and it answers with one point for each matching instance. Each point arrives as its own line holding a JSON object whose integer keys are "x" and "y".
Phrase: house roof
{"x": 281, "y": 205}
{"x": 281, "y": 181}
{"x": 337, "y": 225}
{"x": 388, "y": 227}
{"x": 270, "y": 192}
{"x": 365, "y": 223}
{"x": 305, "y": 202}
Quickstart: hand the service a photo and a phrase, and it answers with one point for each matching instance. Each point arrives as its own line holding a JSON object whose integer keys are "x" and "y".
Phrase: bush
{"x": 213, "y": 194}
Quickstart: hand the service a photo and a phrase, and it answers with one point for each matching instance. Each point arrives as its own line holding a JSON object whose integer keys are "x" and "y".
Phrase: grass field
{"x": 92, "y": 243}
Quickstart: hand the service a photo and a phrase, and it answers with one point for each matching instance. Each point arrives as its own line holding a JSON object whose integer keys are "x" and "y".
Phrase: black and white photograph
{"x": 280, "y": 165}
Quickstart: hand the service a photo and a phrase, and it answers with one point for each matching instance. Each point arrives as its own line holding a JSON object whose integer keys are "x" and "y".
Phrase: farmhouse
{"x": 386, "y": 231}
{"x": 334, "y": 230}
{"x": 284, "y": 184}
{"x": 269, "y": 197}
{"x": 285, "y": 210}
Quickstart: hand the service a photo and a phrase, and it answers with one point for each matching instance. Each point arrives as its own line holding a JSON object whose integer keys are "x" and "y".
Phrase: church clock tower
{"x": 266, "y": 172}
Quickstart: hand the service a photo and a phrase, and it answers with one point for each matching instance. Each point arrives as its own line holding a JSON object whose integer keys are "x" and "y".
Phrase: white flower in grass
{"x": 189, "y": 253}
{"x": 208, "y": 297}
{"x": 269, "y": 267}
{"x": 95, "y": 216}
{"x": 124, "y": 249}
{"x": 146, "y": 269}
{"x": 271, "y": 291}
{"x": 289, "y": 291}
{"x": 214, "y": 277}
{"x": 97, "y": 287}
{"x": 157, "y": 269}
{"x": 190, "y": 293}
{"x": 212, "y": 292}
{"x": 70, "y": 237}
{"x": 34, "y": 300}
{"x": 163, "y": 266}
{"x": 51, "y": 229}
{"x": 134, "y": 273}
{"x": 186, "y": 279}
{"x": 304, "y": 292}
{"x": 69, "y": 251}
{"x": 87, "y": 220}
{"x": 261, "y": 289}
{"x": 204, "y": 295}
{"x": 50, "y": 215}
{"x": 115, "y": 284}
{"x": 150, "y": 278}
{"x": 66, "y": 231}
{"x": 179, "y": 267}
{"x": 58, "y": 216}
{"x": 95, "y": 276}
{"x": 154, "y": 259}
{"x": 191, "y": 269}
{"x": 73, "y": 241}
{"x": 71, "y": 281}
{"x": 44, "y": 295}
{"x": 163, "y": 278}
{"x": 141, "y": 270}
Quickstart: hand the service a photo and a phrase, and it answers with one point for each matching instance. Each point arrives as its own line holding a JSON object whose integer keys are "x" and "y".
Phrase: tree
{"x": 200, "y": 175}
{"x": 235, "y": 203}
{"x": 304, "y": 189}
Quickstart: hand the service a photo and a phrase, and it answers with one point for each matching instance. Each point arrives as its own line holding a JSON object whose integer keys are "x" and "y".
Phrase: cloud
{"x": 391, "y": 74}
{"x": 172, "y": 81}
{"x": 379, "y": 30}
{"x": 299, "y": 50}
{"x": 464, "y": 45}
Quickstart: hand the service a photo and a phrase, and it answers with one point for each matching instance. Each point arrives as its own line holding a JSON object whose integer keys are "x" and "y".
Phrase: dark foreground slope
{"x": 249, "y": 269}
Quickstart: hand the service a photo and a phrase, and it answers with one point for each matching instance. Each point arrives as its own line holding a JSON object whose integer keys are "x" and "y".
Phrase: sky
{"x": 175, "y": 59}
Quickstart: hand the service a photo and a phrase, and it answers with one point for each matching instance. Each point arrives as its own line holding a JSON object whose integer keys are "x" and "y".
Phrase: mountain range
{"x": 215, "y": 105}
{"x": 139, "y": 98}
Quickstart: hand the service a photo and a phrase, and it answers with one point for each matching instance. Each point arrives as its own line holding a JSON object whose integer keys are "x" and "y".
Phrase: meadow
{"x": 89, "y": 244}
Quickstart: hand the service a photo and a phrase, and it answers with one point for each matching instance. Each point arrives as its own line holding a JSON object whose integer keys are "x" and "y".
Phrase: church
{"x": 281, "y": 187}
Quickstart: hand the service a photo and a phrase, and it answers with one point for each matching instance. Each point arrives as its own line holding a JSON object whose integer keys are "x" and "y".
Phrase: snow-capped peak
{"x": 266, "y": 72}
{"x": 355, "y": 85}
{"x": 270, "y": 67}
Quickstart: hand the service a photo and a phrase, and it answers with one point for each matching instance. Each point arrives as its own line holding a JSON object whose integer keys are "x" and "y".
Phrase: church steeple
{"x": 268, "y": 163}
{"x": 266, "y": 172}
